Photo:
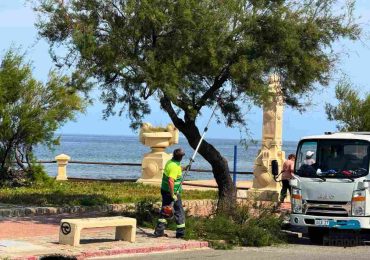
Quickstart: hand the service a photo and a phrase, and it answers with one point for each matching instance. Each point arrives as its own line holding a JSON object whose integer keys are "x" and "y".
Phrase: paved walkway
{"x": 29, "y": 238}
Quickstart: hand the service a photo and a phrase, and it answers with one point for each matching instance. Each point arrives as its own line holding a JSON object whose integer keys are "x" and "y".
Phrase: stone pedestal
{"x": 154, "y": 162}
{"x": 264, "y": 186}
{"x": 62, "y": 161}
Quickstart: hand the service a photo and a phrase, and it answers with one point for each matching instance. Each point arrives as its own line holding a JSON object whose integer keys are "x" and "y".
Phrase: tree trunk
{"x": 5, "y": 156}
{"x": 19, "y": 159}
{"x": 220, "y": 167}
{"x": 28, "y": 153}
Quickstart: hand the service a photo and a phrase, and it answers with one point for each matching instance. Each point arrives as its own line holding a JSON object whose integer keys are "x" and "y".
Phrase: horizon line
{"x": 182, "y": 137}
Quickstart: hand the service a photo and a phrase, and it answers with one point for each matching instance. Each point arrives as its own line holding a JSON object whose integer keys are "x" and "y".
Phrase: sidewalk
{"x": 31, "y": 237}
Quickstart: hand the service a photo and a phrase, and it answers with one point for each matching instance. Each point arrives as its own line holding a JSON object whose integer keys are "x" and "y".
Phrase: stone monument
{"x": 158, "y": 139}
{"x": 264, "y": 186}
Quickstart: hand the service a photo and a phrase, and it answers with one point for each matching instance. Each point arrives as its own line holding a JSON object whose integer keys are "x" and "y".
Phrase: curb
{"x": 138, "y": 250}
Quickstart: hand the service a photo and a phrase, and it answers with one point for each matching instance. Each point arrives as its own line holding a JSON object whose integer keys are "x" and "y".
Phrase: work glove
{"x": 186, "y": 167}
{"x": 174, "y": 197}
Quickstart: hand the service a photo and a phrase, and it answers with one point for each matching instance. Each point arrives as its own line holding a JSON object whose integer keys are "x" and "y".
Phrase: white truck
{"x": 331, "y": 185}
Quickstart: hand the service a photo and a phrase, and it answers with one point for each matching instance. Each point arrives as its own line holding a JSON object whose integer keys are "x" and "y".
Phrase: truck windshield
{"x": 332, "y": 158}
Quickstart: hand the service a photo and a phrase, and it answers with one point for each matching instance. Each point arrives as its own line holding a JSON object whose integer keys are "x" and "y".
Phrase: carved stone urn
{"x": 158, "y": 139}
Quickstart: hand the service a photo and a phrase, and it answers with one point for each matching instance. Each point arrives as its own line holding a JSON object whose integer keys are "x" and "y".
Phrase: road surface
{"x": 300, "y": 250}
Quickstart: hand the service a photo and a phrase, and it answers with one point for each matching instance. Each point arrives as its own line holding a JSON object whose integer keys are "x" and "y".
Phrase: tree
{"x": 182, "y": 53}
{"x": 352, "y": 112}
{"x": 30, "y": 113}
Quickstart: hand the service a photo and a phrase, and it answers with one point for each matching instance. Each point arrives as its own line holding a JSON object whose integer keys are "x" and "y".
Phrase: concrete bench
{"x": 70, "y": 229}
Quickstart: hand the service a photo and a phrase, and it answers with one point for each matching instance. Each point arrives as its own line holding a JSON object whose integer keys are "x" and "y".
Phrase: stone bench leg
{"x": 126, "y": 233}
{"x": 69, "y": 238}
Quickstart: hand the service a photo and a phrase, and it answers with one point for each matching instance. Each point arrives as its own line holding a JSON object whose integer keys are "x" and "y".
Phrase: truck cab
{"x": 330, "y": 189}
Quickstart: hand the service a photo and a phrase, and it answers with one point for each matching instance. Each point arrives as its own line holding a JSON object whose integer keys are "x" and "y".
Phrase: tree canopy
{"x": 352, "y": 111}
{"x": 182, "y": 53}
{"x": 30, "y": 112}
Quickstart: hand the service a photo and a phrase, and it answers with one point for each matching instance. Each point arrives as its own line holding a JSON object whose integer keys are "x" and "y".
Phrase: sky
{"x": 17, "y": 29}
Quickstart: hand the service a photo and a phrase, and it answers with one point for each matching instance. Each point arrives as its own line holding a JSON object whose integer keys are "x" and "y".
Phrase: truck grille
{"x": 328, "y": 208}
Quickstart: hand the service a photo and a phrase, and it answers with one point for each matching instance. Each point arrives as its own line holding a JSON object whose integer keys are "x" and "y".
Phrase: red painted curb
{"x": 137, "y": 250}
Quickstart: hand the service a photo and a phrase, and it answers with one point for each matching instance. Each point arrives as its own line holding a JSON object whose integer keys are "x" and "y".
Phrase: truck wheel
{"x": 316, "y": 235}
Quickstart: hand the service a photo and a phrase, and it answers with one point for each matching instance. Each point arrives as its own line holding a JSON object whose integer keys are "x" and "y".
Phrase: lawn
{"x": 89, "y": 194}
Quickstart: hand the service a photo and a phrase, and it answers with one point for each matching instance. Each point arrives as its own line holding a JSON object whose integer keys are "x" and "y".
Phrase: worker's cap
{"x": 309, "y": 153}
{"x": 178, "y": 152}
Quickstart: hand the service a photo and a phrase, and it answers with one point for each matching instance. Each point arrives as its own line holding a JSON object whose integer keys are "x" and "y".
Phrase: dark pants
{"x": 284, "y": 190}
{"x": 179, "y": 215}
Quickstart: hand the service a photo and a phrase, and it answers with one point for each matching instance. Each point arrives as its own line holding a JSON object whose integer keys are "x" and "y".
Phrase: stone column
{"x": 62, "y": 161}
{"x": 264, "y": 186}
{"x": 158, "y": 140}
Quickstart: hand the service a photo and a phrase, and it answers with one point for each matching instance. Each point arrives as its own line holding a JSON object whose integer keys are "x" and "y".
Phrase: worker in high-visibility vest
{"x": 171, "y": 198}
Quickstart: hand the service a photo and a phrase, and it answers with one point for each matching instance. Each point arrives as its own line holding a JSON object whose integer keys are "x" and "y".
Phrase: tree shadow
{"x": 96, "y": 240}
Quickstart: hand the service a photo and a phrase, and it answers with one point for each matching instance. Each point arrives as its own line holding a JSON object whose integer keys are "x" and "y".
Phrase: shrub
{"x": 144, "y": 212}
{"x": 39, "y": 176}
{"x": 30, "y": 112}
{"x": 246, "y": 226}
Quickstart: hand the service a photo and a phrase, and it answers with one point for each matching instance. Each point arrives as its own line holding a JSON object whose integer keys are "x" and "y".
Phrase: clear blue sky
{"x": 17, "y": 29}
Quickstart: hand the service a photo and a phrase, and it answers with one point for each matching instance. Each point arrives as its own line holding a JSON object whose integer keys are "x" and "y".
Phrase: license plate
{"x": 322, "y": 222}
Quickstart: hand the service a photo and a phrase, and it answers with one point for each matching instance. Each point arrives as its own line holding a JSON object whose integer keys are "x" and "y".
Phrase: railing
{"x": 61, "y": 175}
{"x": 136, "y": 164}
{"x": 63, "y": 160}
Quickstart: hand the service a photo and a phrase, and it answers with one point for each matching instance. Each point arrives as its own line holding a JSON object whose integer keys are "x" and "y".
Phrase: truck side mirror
{"x": 274, "y": 167}
{"x": 363, "y": 185}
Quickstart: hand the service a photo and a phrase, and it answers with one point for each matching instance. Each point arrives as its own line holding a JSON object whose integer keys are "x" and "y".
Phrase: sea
{"x": 128, "y": 149}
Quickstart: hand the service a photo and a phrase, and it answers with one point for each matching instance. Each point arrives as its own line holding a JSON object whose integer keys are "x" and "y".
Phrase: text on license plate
{"x": 322, "y": 222}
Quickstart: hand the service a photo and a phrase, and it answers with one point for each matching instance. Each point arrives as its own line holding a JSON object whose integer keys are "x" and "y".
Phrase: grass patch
{"x": 89, "y": 194}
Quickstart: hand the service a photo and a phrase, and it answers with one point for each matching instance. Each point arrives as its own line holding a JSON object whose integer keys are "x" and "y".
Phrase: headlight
{"x": 359, "y": 203}
{"x": 296, "y": 201}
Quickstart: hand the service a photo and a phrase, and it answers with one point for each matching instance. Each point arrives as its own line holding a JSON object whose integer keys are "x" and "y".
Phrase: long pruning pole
{"x": 199, "y": 143}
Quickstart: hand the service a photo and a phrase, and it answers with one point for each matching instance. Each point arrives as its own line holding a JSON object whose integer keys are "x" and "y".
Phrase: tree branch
{"x": 118, "y": 10}
{"x": 167, "y": 106}
{"x": 217, "y": 84}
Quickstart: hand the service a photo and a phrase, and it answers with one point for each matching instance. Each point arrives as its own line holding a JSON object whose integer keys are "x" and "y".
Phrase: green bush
{"x": 30, "y": 111}
{"x": 145, "y": 213}
{"x": 39, "y": 176}
{"x": 33, "y": 175}
{"x": 247, "y": 226}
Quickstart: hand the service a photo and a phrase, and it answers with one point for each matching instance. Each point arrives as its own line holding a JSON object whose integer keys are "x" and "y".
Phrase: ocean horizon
{"x": 128, "y": 149}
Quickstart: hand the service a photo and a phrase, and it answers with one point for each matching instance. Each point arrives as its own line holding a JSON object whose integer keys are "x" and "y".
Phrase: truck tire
{"x": 316, "y": 235}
